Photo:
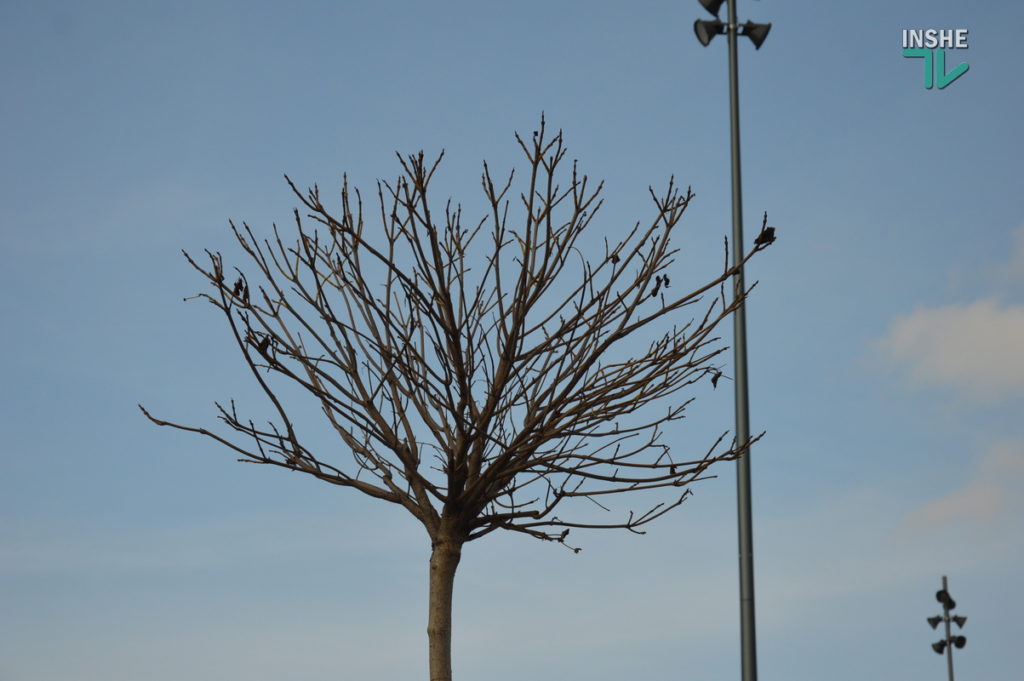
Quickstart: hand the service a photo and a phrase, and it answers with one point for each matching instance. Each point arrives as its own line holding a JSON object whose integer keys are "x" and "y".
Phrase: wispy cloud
{"x": 975, "y": 347}
{"x": 1014, "y": 268}
{"x": 1003, "y": 274}
{"x": 992, "y": 494}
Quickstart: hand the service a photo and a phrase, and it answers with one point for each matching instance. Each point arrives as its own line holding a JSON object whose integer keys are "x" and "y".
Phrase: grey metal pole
{"x": 748, "y": 641}
{"x": 949, "y": 638}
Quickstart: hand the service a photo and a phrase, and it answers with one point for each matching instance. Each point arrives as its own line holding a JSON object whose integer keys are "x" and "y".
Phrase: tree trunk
{"x": 444, "y": 559}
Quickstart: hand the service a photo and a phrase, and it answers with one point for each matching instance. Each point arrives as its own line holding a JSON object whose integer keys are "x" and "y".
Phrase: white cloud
{"x": 992, "y": 494}
{"x": 976, "y": 347}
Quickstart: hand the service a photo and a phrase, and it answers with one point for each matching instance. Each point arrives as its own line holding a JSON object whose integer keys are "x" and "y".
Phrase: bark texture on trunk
{"x": 444, "y": 559}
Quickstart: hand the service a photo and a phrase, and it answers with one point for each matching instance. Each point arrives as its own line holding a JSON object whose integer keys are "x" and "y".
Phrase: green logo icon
{"x": 935, "y": 67}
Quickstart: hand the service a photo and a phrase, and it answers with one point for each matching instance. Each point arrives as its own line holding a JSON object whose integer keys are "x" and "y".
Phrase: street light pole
{"x": 946, "y": 644}
{"x": 706, "y": 30}
{"x": 949, "y": 634}
{"x": 748, "y": 640}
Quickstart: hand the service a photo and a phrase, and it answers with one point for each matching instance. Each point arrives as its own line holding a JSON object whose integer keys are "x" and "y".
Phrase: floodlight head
{"x": 756, "y": 32}
{"x": 712, "y": 5}
{"x": 942, "y": 596}
{"x": 934, "y": 621}
{"x": 959, "y": 641}
{"x": 960, "y": 621}
{"x": 706, "y": 29}
{"x": 939, "y": 647}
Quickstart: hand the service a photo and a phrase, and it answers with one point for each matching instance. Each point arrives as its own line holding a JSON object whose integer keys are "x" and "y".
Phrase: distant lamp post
{"x": 706, "y": 30}
{"x": 947, "y": 644}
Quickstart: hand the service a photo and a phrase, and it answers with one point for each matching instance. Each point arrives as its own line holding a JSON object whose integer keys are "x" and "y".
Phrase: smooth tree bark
{"x": 479, "y": 378}
{"x": 444, "y": 560}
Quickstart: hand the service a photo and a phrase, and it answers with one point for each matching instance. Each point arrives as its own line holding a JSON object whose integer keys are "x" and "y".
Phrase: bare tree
{"x": 470, "y": 388}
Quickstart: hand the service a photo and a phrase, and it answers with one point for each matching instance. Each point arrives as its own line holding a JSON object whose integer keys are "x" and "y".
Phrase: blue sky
{"x": 885, "y": 337}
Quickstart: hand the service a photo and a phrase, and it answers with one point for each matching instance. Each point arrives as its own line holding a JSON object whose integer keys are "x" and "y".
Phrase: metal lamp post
{"x": 949, "y": 642}
{"x": 706, "y": 30}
